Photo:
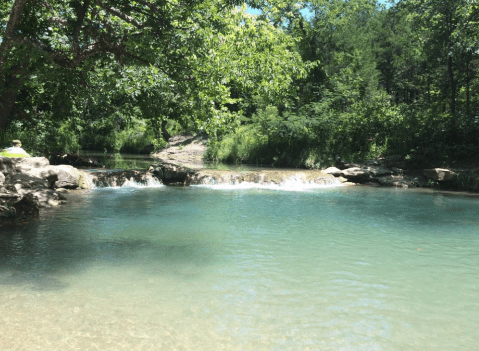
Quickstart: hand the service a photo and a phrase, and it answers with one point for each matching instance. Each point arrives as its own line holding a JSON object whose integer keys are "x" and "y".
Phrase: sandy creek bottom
{"x": 244, "y": 269}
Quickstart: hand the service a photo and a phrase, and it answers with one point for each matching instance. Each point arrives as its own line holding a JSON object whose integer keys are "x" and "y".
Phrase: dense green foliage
{"x": 354, "y": 78}
{"x": 119, "y": 75}
{"x": 400, "y": 79}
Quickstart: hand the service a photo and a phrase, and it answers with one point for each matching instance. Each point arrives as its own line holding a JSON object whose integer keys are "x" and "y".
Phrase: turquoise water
{"x": 201, "y": 269}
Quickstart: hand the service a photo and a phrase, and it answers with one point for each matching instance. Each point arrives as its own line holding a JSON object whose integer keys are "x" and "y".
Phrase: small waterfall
{"x": 173, "y": 174}
{"x": 121, "y": 179}
{"x": 280, "y": 180}
{"x": 289, "y": 185}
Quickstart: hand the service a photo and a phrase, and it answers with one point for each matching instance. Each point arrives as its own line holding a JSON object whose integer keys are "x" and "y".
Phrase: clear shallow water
{"x": 196, "y": 269}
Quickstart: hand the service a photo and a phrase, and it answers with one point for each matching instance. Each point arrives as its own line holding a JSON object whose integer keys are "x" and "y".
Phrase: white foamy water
{"x": 187, "y": 268}
{"x": 292, "y": 184}
{"x": 131, "y": 183}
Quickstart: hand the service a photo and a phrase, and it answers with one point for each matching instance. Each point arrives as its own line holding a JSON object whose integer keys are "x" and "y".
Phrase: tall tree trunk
{"x": 164, "y": 132}
{"x": 10, "y": 90}
{"x": 452, "y": 81}
{"x": 7, "y": 103}
{"x": 9, "y": 84}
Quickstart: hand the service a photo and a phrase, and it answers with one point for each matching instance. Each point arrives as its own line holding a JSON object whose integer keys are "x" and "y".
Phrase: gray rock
{"x": 186, "y": 150}
{"x": 2, "y": 178}
{"x": 68, "y": 177}
{"x": 24, "y": 181}
{"x": 397, "y": 170}
{"x": 31, "y": 166}
{"x": 398, "y": 181}
{"x": 113, "y": 178}
{"x": 26, "y": 185}
{"x": 355, "y": 174}
{"x": 378, "y": 171}
{"x": 7, "y": 166}
{"x": 26, "y": 207}
{"x": 62, "y": 176}
{"x": 170, "y": 173}
{"x": 439, "y": 174}
{"x": 333, "y": 171}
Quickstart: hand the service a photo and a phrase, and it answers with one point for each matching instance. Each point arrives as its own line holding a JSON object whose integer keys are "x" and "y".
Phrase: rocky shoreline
{"x": 29, "y": 184}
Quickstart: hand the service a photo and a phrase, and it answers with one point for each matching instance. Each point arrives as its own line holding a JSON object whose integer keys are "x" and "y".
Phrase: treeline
{"x": 354, "y": 78}
{"x": 396, "y": 79}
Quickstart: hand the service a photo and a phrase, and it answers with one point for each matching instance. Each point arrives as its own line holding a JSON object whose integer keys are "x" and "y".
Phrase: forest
{"x": 295, "y": 86}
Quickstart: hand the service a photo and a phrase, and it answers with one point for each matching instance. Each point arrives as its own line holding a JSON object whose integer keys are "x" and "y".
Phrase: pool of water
{"x": 191, "y": 268}
{"x": 120, "y": 160}
{"x": 142, "y": 162}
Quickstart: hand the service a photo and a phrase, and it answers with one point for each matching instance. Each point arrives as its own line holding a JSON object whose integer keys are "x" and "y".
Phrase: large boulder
{"x": 7, "y": 167}
{"x": 22, "y": 182}
{"x": 378, "y": 171}
{"x": 355, "y": 174}
{"x": 17, "y": 209}
{"x": 170, "y": 173}
{"x": 32, "y": 166}
{"x": 439, "y": 174}
{"x": 68, "y": 177}
{"x": 25, "y": 185}
{"x": 363, "y": 174}
{"x": 399, "y": 181}
{"x": 333, "y": 171}
{"x": 62, "y": 176}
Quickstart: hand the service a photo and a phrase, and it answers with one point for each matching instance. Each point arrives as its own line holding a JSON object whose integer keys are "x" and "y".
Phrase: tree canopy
{"x": 353, "y": 77}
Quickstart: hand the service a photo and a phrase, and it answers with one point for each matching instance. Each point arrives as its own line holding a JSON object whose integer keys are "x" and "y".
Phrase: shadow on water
{"x": 41, "y": 262}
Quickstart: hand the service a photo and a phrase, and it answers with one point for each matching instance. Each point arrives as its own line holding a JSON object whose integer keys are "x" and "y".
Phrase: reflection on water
{"x": 120, "y": 160}
{"x": 195, "y": 269}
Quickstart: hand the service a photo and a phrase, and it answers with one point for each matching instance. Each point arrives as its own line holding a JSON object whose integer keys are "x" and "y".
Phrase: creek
{"x": 224, "y": 268}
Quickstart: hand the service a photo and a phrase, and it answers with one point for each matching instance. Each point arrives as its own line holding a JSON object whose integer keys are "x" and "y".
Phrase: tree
{"x": 450, "y": 43}
{"x": 159, "y": 33}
